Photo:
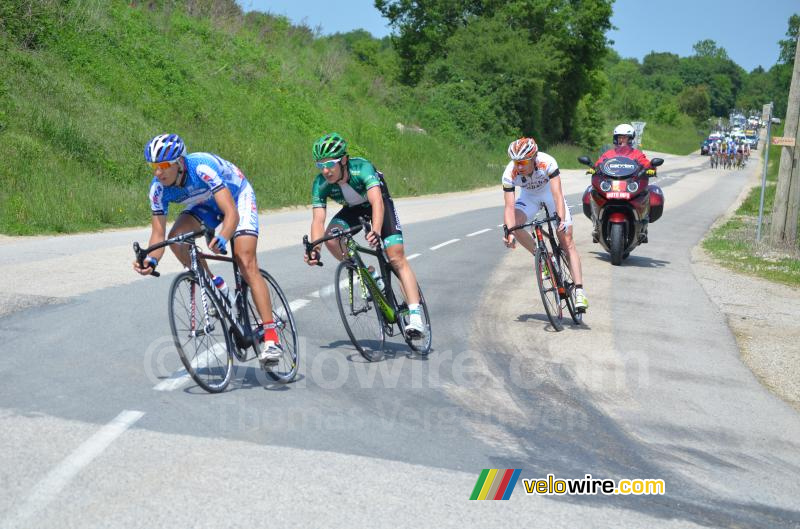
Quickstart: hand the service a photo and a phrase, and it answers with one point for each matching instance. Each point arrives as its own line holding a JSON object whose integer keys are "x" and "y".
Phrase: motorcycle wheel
{"x": 617, "y": 243}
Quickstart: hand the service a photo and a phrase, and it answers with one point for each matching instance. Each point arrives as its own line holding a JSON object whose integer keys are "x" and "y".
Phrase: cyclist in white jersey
{"x": 214, "y": 191}
{"x": 537, "y": 174}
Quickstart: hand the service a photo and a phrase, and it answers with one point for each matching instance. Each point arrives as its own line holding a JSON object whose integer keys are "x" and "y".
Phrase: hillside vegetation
{"x": 79, "y": 102}
{"x": 85, "y": 83}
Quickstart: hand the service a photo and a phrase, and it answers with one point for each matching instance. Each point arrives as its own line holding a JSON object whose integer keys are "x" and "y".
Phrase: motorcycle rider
{"x": 624, "y": 135}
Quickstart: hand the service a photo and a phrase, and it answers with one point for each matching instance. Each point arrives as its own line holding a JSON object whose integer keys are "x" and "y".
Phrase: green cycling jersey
{"x": 363, "y": 176}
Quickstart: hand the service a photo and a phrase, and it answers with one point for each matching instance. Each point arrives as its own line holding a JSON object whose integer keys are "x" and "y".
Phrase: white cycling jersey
{"x": 535, "y": 188}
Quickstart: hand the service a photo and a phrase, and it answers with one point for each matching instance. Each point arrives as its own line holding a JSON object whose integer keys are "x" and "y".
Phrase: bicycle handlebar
{"x": 336, "y": 233}
{"x": 141, "y": 253}
{"x": 554, "y": 218}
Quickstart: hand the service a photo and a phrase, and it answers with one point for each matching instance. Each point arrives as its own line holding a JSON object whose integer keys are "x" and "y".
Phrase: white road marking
{"x": 412, "y": 256}
{"x": 478, "y": 232}
{"x": 298, "y": 304}
{"x": 178, "y": 379}
{"x": 48, "y": 488}
{"x": 327, "y": 290}
{"x": 181, "y": 377}
{"x": 451, "y": 241}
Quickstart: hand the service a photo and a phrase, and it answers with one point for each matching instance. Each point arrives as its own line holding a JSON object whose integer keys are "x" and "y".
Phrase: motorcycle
{"x": 621, "y": 203}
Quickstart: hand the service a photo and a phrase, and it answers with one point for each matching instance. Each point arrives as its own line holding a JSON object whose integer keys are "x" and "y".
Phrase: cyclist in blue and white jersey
{"x": 214, "y": 191}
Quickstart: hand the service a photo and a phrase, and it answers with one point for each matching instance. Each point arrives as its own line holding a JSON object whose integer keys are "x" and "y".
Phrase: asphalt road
{"x": 98, "y": 432}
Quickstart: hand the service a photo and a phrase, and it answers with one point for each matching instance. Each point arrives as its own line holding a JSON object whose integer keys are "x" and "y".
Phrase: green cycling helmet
{"x": 329, "y": 146}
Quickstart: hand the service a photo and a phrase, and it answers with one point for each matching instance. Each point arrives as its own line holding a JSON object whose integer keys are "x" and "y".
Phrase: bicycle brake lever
{"x": 309, "y": 249}
{"x": 140, "y": 255}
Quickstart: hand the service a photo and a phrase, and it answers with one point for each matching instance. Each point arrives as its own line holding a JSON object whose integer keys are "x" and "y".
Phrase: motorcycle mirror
{"x": 585, "y": 160}
{"x": 655, "y": 162}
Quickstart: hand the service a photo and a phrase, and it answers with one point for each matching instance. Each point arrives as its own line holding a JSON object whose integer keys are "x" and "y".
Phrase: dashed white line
{"x": 181, "y": 377}
{"x": 478, "y": 232}
{"x": 48, "y": 488}
{"x": 178, "y": 379}
{"x": 451, "y": 241}
{"x": 298, "y": 304}
{"x": 413, "y": 256}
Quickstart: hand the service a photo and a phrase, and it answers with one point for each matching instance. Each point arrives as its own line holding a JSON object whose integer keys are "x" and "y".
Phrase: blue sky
{"x": 749, "y": 30}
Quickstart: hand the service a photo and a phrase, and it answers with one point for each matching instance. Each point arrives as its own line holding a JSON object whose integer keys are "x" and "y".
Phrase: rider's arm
{"x": 507, "y": 181}
{"x": 158, "y": 231}
{"x": 376, "y": 201}
{"x": 317, "y": 224}
{"x": 158, "y": 228}
{"x": 558, "y": 198}
{"x": 230, "y": 219}
{"x": 508, "y": 209}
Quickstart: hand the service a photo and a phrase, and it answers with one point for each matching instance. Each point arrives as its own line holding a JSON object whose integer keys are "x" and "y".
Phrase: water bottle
{"x": 223, "y": 289}
{"x": 378, "y": 279}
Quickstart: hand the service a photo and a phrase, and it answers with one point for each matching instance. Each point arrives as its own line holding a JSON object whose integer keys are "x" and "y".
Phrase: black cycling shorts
{"x": 392, "y": 231}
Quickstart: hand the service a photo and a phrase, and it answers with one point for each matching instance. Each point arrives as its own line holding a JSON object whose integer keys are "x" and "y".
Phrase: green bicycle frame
{"x": 366, "y": 279}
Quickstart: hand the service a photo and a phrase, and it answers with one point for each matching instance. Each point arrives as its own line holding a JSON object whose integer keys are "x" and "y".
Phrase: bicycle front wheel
{"x": 286, "y": 368}
{"x": 201, "y": 334}
{"x": 548, "y": 288}
{"x": 362, "y": 320}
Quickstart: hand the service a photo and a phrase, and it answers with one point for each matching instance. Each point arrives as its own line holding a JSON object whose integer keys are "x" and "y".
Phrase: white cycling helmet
{"x": 624, "y": 129}
{"x": 522, "y": 149}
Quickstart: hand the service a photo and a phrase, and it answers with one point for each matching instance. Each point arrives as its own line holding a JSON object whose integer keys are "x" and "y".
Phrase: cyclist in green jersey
{"x": 361, "y": 190}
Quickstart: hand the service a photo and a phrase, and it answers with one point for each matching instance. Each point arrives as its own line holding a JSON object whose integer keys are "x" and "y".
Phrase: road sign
{"x": 783, "y": 141}
{"x": 766, "y": 112}
{"x": 638, "y": 128}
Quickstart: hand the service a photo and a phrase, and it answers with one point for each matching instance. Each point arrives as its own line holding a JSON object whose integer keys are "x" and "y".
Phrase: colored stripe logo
{"x": 495, "y": 484}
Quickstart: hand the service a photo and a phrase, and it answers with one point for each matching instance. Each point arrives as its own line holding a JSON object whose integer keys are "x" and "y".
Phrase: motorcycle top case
{"x": 587, "y": 206}
{"x": 656, "y": 202}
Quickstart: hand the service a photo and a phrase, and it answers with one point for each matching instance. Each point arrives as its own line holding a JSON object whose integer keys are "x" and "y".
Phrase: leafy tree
{"x": 788, "y": 46}
{"x": 695, "y": 101}
{"x": 572, "y": 31}
{"x": 708, "y": 48}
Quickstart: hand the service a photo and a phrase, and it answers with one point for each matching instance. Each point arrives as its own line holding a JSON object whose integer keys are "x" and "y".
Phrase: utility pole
{"x": 766, "y": 115}
{"x": 787, "y": 195}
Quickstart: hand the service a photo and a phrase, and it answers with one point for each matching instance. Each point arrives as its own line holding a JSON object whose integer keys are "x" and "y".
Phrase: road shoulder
{"x": 761, "y": 315}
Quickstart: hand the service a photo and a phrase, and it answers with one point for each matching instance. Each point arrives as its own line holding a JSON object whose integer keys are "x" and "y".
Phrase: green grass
{"x": 567, "y": 154}
{"x": 76, "y": 112}
{"x": 733, "y": 244}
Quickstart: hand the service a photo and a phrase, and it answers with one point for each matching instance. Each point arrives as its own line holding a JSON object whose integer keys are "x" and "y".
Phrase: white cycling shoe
{"x": 270, "y": 352}
{"x": 415, "y": 329}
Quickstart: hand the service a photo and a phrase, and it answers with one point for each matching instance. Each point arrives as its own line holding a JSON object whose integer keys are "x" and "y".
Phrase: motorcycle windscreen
{"x": 619, "y": 167}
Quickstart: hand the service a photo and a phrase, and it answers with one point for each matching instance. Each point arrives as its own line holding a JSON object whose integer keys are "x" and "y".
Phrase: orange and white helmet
{"x": 522, "y": 149}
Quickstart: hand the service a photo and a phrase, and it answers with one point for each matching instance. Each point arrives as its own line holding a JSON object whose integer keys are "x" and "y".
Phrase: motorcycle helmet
{"x": 624, "y": 129}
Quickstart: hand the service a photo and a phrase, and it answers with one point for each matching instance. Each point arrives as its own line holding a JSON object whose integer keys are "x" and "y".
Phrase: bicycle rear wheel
{"x": 205, "y": 350}
{"x": 285, "y": 370}
{"x": 548, "y": 288}
{"x": 422, "y": 346}
{"x": 362, "y": 319}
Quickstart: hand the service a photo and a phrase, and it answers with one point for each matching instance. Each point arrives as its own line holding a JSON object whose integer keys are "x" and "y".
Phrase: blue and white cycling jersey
{"x": 206, "y": 174}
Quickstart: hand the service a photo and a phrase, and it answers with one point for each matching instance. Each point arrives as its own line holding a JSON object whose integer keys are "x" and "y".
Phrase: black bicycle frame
{"x": 243, "y": 338}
